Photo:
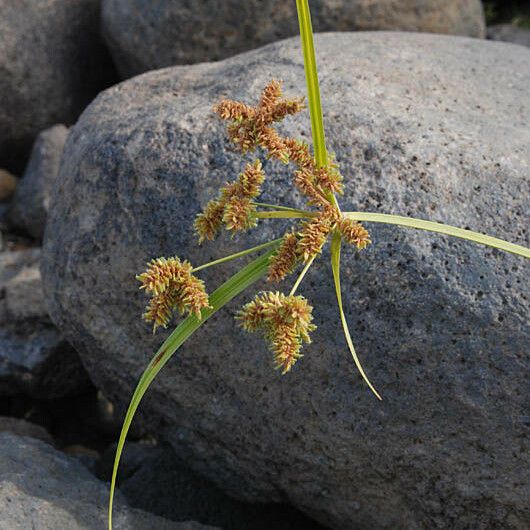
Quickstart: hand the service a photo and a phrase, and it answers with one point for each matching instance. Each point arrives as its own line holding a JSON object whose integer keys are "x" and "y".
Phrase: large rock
{"x": 53, "y": 62}
{"x": 35, "y": 360}
{"x": 29, "y": 208}
{"x": 177, "y": 493}
{"x": 421, "y": 125}
{"x": 144, "y": 35}
{"x": 45, "y": 489}
{"x": 510, "y": 33}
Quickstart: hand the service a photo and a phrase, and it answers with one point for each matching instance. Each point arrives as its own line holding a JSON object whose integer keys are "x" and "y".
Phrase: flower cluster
{"x": 285, "y": 322}
{"x": 172, "y": 286}
{"x": 250, "y": 128}
{"x": 234, "y": 206}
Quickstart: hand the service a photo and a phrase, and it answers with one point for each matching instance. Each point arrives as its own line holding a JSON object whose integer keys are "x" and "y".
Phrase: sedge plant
{"x": 285, "y": 320}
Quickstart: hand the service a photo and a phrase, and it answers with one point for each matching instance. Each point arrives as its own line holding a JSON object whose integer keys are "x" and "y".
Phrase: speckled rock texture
{"x": 144, "y": 34}
{"x": 29, "y": 208}
{"x": 44, "y": 489}
{"x": 423, "y": 125}
{"x": 53, "y": 63}
{"x": 510, "y": 33}
{"x": 35, "y": 360}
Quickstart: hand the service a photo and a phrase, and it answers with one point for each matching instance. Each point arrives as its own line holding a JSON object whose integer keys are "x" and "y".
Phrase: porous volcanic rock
{"x": 143, "y": 35}
{"x": 46, "y": 489}
{"x": 423, "y": 125}
{"x": 29, "y": 208}
{"x": 53, "y": 63}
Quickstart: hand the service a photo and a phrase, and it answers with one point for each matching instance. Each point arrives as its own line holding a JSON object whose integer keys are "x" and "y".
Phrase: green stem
{"x": 302, "y": 274}
{"x": 237, "y": 255}
{"x": 311, "y": 75}
{"x": 440, "y": 228}
{"x": 313, "y": 89}
{"x": 284, "y": 215}
{"x": 219, "y": 298}
{"x": 335, "y": 266}
{"x": 278, "y": 207}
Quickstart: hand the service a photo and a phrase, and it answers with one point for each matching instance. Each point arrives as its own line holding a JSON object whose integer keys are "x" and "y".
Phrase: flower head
{"x": 172, "y": 287}
{"x": 354, "y": 233}
{"x": 285, "y": 259}
{"x": 286, "y": 322}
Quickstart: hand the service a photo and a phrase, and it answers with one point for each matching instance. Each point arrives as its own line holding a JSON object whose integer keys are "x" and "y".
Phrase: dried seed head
{"x": 238, "y": 214}
{"x": 313, "y": 235}
{"x": 270, "y": 94}
{"x": 173, "y": 287}
{"x": 354, "y": 233}
{"x": 329, "y": 179}
{"x": 285, "y": 260}
{"x": 208, "y": 223}
{"x": 286, "y": 322}
{"x": 227, "y": 109}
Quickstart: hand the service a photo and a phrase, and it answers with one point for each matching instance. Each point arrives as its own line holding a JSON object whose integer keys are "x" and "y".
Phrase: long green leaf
{"x": 440, "y": 228}
{"x": 220, "y": 297}
{"x": 335, "y": 266}
{"x": 313, "y": 89}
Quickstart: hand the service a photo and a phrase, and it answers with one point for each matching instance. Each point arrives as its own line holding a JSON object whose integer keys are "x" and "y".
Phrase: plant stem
{"x": 302, "y": 274}
{"x": 237, "y": 255}
{"x": 440, "y": 228}
{"x": 335, "y": 266}
{"x": 278, "y": 207}
{"x": 313, "y": 88}
{"x": 283, "y": 215}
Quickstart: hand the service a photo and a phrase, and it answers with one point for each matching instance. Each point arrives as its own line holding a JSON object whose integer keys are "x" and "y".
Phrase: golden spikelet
{"x": 208, "y": 223}
{"x": 354, "y": 233}
{"x": 329, "y": 179}
{"x": 173, "y": 287}
{"x": 270, "y": 94}
{"x": 285, "y": 259}
{"x": 238, "y": 214}
{"x": 227, "y": 109}
{"x": 313, "y": 235}
{"x": 286, "y": 322}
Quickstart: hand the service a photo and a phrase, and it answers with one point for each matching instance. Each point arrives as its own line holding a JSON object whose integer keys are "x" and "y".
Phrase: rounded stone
{"x": 429, "y": 126}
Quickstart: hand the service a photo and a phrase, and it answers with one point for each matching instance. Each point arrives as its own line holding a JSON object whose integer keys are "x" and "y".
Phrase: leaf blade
{"x": 431, "y": 226}
{"x": 219, "y": 298}
{"x": 335, "y": 266}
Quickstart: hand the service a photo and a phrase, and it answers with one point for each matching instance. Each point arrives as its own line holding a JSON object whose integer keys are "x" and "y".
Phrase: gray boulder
{"x": 421, "y": 126}
{"x": 53, "y": 62}
{"x": 144, "y": 35}
{"x": 22, "y": 427}
{"x": 177, "y": 493}
{"x": 45, "y": 489}
{"x": 30, "y": 204}
{"x": 510, "y": 33}
{"x": 35, "y": 360}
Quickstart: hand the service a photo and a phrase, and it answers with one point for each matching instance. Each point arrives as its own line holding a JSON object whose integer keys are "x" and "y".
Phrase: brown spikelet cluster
{"x": 354, "y": 233}
{"x": 286, "y": 322}
{"x": 285, "y": 259}
{"x": 172, "y": 287}
{"x": 234, "y": 206}
{"x": 251, "y": 126}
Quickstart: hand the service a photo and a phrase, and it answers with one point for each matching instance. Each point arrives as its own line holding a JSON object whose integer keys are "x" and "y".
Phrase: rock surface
{"x": 510, "y": 33}
{"x": 430, "y": 126}
{"x": 35, "y": 360}
{"x": 30, "y": 204}
{"x": 44, "y": 489}
{"x": 144, "y": 35}
{"x": 154, "y": 479}
{"x": 53, "y": 63}
{"x": 21, "y": 427}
